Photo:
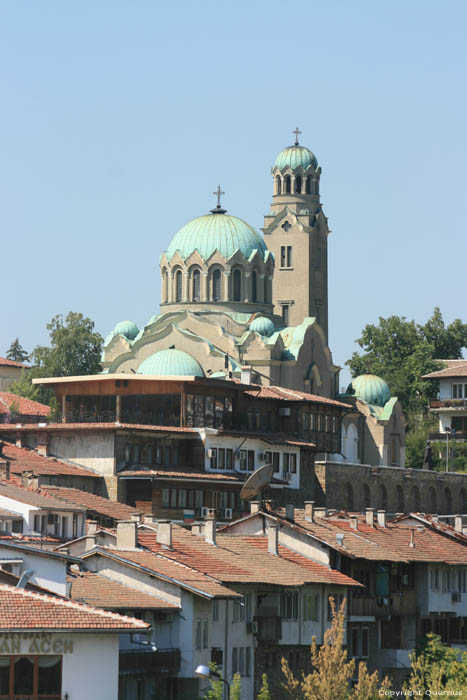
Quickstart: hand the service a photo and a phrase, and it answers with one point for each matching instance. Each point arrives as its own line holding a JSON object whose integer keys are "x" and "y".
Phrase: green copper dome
{"x": 217, "y": 231}
{"x": 296, "y": 156}
{"x": 263, "y": 326}
{"x": 171, "y": 363}
{"x": 370, "y": 388}
{"x": 126, "y": 328}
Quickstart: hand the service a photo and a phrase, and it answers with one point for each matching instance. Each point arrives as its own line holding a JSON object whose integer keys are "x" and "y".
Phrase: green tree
{"x": 437, "y": 670}
{"x": 16, "y": 352}
{"x": 332, "y": 673}
{"x": 402, "y": 351}
{"x": 236, "y": 687}
{"x": 75, "y": 349}
{"x": 264, "y": 693}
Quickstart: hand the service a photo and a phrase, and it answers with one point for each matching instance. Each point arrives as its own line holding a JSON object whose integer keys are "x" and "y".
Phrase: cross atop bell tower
{"x": 297, "y": 133}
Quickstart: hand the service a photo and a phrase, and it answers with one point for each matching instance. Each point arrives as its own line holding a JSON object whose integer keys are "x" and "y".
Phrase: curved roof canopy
{"x": 370, "y": 388}
{"x": 296, "y": 157}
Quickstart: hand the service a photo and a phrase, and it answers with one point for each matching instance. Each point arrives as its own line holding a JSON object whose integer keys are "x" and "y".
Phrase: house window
{"x": 215, "y": 610}
{"x": 285, "y": 462}
{"x": 201, "y": 634}
{"x": 286, "y": 256}
{"x": 289, "y": 605}
{"x": 213, "y": 458}
{"x": 238, "y": 614}
{"x": 311, "y": 607}
{"x": 457, "y": 391}
{"x": 31, "y": 676}
{"x": 285, "y": 314}
{"x": 293, "y": 463}
{"x": 338, "y": 598}
{"x": 360, "y": 642}
{"x": 75, "y": 525}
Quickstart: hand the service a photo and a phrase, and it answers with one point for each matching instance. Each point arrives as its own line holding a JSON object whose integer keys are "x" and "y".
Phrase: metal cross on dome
{"x": 296, "y": 132}
{"x": 218, "y": 192}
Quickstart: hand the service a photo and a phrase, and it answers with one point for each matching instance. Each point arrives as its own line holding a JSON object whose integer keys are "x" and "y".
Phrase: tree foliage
{"x": 402, "y": 351}
{"x": 264, "y": 692}
{"x": 332, "y": 673}
{"x": 437, "y": 670}
{"x": 16, "y": 352}
{"x": 75, "y": 349}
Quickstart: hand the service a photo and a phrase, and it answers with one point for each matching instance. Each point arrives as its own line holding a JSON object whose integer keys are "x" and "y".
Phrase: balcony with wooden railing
{"x": 142, "y": 661}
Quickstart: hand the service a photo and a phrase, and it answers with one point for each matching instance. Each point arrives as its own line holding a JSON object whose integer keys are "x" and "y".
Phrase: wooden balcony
{"x": 457, "y": 435}
{"x": 160, "y": 661}
{"x": 269, "y": 628}
{"x": 448, "y": 403}
{"x": 362, "y": 606}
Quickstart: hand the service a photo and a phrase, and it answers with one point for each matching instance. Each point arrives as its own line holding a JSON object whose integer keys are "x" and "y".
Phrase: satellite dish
{"x": 255, "y": 483}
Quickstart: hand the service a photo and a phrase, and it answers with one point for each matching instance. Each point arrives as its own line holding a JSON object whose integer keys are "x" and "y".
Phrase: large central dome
{"x": 216, "y": 231}
{"x": 295, "y": 157}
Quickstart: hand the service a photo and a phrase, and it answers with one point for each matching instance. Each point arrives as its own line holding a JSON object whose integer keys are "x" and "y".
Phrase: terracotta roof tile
{"x": 5, "y": 362}
{"x": 26, "y": 610}
{"x": 35, "y": 497}
{"x": 101, "y": 592}
{"x": 21, "y": 459}
{"x": 25, "y": 407}
{"x": 102, "y": 506}
{"x": 455, "y": 368}
{"x": 241, "y": 559}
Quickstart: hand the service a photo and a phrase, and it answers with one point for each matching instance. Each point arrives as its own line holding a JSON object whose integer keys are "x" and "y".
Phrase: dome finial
{"x": 297, "y": 132}
{"x": 218, "y": 209}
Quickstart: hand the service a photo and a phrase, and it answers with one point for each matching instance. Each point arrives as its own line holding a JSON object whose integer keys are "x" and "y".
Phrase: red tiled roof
{"x": 5, "y": 362}
{"x": 455, "y": 368}
{"x": 246, "y": 559}
{"x": 103, "y": 506}
{"x": 35, "y": 497}
{"x": 21, "y": 459}
{"x": 283, "y": 394}
{"x": 185, "y": 576}
{"x": 25, "y": 407}
{"x": 377, "y": 543}
{"x": 101, "y": 592}
{"x": 25, "y": 610}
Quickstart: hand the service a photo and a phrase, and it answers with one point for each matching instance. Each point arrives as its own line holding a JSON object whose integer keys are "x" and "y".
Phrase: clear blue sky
{"x": 119, "y": 119}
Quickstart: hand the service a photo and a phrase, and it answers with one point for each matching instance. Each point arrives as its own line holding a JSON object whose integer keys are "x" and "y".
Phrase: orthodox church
{"x": 232, "y": 299}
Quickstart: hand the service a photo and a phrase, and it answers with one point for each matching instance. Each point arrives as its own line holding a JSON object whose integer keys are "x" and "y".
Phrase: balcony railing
{"x": 448, "y": 403}
{"x": 269, "y": 628}
{"x": 457, "y": 435}
{"x": 160, "y": 661}
{"x": 362, "y": 606}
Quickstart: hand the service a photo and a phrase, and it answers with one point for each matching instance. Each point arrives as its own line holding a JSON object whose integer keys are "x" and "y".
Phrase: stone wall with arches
{"x": 359, "y": 486}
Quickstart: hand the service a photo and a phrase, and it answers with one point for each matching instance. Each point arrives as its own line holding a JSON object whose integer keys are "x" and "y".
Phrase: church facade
{"x": 232, "y": 298}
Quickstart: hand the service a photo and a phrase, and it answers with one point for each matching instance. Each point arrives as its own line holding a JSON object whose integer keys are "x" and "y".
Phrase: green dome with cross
{"x": 296, "y": 156}
{"x": 216, "y": 231}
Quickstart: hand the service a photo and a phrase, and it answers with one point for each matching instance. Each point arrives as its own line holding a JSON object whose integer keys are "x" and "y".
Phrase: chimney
{"x": 245, "y": 375}
{"x": 43, "y": 445}
{"x": 137, "y": 517}
{"x": 210, "y": 527}
{"x": 309, "y": 511}
{"x": 4, "y": 469}
{"x": 289, "y": 512}
{"x": 353, "y": 521}
{"x": 340, "y": 539}
{"x": 90, "y": 542}
{"x": 412, "y": 540}
{"x": 197, "y": 528}
{"x": 320, "y": 512}
{"x": 127, "y": 531}
{"x": 273, "y": 539}
{"x": 370, "y": 516}
{"x": 459, "y": 523}
{"x": 254, "y": 507}
{"x": 92, "y": 526}
{"x": 164, "y": 534}
{"x": 381, "y": 517}
{"x": 30, "y": 480}
{"x": 19, "y": 440}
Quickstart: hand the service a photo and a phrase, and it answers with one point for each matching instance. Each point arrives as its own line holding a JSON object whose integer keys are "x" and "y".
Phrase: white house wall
{"x": 49, "y": 572}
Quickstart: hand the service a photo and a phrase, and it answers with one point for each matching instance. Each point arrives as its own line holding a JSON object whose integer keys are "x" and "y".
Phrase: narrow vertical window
{"x": 287, "y": 184}
{"x": 178, "y": 285}
{"x": 278, "y": 185}
{"x": 308, "y": 185}
{"x": 285, "y": 314}
{"x": 196, "y": 285}
{"x": 237, "y": 285}
{"x": 216, "y": 285}
{"x": 298, "y": 184}
{"x": 254, "y": 286}
{"x": 266, "y": 290}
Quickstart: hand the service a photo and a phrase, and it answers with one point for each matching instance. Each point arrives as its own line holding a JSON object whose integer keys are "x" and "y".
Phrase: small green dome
{"x": 296, "y": 156}
{"x": 263, "y": 326}
{"x": 170, "y": 363}
{"x": 370, "y": 388}
{"x": 217, "y": 231}
{"x": 126, "y": 328}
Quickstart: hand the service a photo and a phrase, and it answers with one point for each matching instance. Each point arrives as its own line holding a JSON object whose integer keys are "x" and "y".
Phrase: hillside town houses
{"x": 212, "y": 493}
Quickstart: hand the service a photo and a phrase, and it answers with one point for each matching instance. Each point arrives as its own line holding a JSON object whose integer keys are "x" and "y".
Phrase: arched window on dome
{"x": 216, "y": 285}
{"x": 298, "y": 184}
{"x": 178, "y": 285}
{"x": 237, "y": 285}
{"x": 196, "y": 285}
{"x": 308, "y": 186}
{"x": 278, "y": 184}
{"x": 287, "y": 184}
{"x": 254, "y": 286}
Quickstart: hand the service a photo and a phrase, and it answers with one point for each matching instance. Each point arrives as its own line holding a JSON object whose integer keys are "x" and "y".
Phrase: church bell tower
{"x": 296, "y": 231}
